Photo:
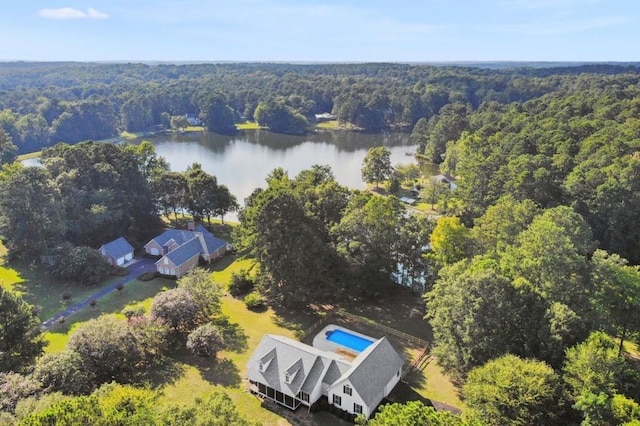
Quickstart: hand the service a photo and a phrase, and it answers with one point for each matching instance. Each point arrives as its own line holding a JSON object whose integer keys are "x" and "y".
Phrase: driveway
{"x": 135, "y": 269}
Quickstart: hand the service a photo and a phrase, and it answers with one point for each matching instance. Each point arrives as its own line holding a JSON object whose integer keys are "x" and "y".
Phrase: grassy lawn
{"x": 327, "y": 125}
{"x": 136, "y": 292}
{"x": 248, "y": 125}
{"x": 29, "y": 155}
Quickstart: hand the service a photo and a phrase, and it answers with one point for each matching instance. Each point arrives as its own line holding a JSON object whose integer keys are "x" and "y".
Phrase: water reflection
{"x": 244, "y": 160}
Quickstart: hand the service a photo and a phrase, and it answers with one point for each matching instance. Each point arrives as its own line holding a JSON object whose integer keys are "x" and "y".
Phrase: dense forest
{"x": 529, "y": 269}
{"x": 43, "y": 104}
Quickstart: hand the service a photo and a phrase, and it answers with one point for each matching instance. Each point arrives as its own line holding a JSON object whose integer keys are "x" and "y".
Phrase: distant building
{"x": 447, "y": 179}
{"x": 324, "y": 117}
{"x": 193, "y": 120}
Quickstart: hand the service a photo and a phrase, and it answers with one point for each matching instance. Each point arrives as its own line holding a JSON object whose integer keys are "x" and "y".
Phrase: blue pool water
{"x": 348, "y": 340}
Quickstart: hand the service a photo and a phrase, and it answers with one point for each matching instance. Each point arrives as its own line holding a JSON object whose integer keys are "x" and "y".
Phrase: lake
{"x": 243, "y": 161}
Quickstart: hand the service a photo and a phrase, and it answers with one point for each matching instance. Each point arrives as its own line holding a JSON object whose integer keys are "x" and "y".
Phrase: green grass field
{"x": 248, "y": 125}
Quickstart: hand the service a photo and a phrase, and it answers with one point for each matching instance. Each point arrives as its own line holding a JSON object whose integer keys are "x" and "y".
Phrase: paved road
{"x": 141, "y": 266}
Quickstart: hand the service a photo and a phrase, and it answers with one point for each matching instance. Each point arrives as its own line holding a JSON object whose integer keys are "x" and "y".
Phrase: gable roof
{"x": 185, "y": 252}
{"x": 187, "y": 243}
{"x": 282, "y": 355}
{"x": 177, "y": 235}
{"x": 117, "y": 248}
{"x": 212, "y": 243}
{"x": 372, "y": 369}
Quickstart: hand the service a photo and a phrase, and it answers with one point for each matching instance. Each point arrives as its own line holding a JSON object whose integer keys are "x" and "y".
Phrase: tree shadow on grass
{"x": 296, "y": 320}
{"x": 220, "y": 372}
{"x": 235, "y": 339}
{"x": 165, "y": 372}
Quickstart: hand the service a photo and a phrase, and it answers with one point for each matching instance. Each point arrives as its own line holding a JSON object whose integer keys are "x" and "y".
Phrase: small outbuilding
{"x": 117, "y": 252}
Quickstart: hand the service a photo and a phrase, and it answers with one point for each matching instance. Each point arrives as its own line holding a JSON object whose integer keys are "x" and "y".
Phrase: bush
{"x": 119, "y": 271}
{"x": 254, "y": 301}
{"x": 148, "y": 276}
{"x": 241, "y": 283}
{"x": 205, "y": 341}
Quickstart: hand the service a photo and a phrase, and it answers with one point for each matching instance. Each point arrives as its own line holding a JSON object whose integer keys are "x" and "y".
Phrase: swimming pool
{"x": 348, "y": 340}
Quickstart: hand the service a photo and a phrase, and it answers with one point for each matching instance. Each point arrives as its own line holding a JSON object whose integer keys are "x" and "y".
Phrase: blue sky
{"x": 320, "y": 30}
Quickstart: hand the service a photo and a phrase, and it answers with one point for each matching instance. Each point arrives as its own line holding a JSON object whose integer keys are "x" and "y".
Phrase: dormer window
{"x": 264, "y": 364}
{"x": 289, "y": 376}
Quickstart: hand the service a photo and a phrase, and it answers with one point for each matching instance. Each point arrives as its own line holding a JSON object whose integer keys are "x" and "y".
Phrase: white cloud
{"x": 65, "y": 13}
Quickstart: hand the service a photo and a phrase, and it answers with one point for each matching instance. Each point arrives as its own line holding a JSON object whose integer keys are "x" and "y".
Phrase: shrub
{"x": 254, "y": 301}
{"x": 119, "y": 271}
{"x": 241, "y": 283}
{"x": 148, "y": 276}
{"x": 205, "y": 341}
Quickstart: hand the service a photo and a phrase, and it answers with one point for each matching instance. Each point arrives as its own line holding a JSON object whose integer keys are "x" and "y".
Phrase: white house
{"x": 292, "y": 373}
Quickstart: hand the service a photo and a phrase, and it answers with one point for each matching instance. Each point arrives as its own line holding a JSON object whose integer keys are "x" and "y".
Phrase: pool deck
{"x": 320, "y": 342}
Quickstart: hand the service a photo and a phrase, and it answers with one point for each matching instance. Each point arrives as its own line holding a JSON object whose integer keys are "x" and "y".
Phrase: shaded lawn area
{"x": 223, "y": 269}
{"x": 36, "y": 286}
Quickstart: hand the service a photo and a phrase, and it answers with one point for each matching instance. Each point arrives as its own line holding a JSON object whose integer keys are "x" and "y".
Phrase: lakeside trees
{"x": 97, "y": 101}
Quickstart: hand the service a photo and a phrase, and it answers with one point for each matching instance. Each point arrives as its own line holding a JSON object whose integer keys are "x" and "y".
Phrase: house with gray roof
{"x": 181, "y": 250}
{"x": 117, "y": 252}
{"x": 292, "y": 373}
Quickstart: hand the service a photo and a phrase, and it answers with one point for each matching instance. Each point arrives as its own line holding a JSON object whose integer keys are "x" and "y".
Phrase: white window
{"x": 337, "y": 400}
{"x": 357, "y": 408}
{"x": 347, "y": 390}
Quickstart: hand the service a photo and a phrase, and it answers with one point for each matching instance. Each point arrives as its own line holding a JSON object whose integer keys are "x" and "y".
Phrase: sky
{"x": 320, "y": 30}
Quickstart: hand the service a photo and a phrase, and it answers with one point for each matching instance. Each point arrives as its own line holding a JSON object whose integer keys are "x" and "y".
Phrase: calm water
{"x": 243, "y": 161}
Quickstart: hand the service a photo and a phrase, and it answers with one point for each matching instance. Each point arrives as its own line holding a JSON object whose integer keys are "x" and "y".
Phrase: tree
{"x": 515, "y": 391}
{"x": 501, "y": 224}
{"x": 476, "y": 315}
{"x": 64, "y": 372}
{"x": 215, "y": 408}
{"x": 7, "y": 149}
{"x": 551, "y": 255}
{"x": 596, "y": 379}
{"x": 617, "y": 293}
{"x": 280, "y": 118}
{"x": 30, "y": 211}
{"x": 205, "y": 341}
{"x": 450, "y": 241}
{"x": 14, "y": 387}
{"x": 415, "y": 413}
{"x": 172, "y": 192}
{"x": 179, "y": 309}
{"x": 202, "y": 192}
{"x": 376, "y": 166}
{"x": 367, "y": 238}
{"x": 111, "y": 404}
{"x": 208, "y": 293}
{"x": 108, "y": 346}
{"x": 296, "y": 263}
{"x": 225, "y": 202}
{"x": 20, "y": 334}
{"x": 215, "y": 112}
{"x": 82, "y": 264}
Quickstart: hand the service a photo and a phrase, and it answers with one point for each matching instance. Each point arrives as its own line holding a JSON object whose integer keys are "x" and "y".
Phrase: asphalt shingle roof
{"x": 185, "y": 252}
{"x": 118, "y": 248}
{"x": 372, "y": 369}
